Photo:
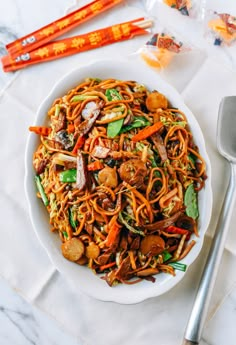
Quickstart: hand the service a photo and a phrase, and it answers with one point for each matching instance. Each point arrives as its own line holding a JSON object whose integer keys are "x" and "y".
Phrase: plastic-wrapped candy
{"x": 191, "y": 8}
{"x": 160, "y": 50}
{"x": 221, "y": 28}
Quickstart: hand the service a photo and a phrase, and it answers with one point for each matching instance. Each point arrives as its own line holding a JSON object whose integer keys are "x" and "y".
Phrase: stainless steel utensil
{"x": 226, "y": 143}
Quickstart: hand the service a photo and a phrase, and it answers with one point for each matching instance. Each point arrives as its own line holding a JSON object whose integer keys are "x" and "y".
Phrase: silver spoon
{"x": 226, "y": 143}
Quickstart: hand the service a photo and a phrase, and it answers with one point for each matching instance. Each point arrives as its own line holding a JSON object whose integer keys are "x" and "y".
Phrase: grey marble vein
{"x": 7, "y": 35}
{"x": 16, "y": 318}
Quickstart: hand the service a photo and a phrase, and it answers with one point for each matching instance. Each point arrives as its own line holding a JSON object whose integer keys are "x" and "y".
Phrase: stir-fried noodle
{"x": 119, "y": 173}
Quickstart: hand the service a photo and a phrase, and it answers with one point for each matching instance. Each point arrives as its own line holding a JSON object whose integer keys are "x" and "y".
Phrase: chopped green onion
{"x": 72, "y": 221}
{"x": 65, "y": 234}
{"x": 57, "y": 110}
{"x": 68, "y": 176}
{"x": 41, "y": 190}
{"x": 82, "y": 97}
{"x": 166, "y": 255}
{"x": 178, "y": 266}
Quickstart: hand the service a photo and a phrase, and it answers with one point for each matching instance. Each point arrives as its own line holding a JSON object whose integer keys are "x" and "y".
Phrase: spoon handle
{"x": 200, "y": 307}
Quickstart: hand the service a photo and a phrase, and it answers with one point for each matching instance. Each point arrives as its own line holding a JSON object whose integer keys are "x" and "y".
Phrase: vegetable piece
{"x": 82, "y": 97}
{"x": 113, "y": 128}
{"x": 68, "y": 176}
{"x": 72, "y": 249}
{"x": 156, "y": 100}
{"x": 97, "y": 165}
{"x": 152, "y": 245}
{"x": 162, "y": 224}
{"x": 147, "y": 272}
{"x": 72, "y": 221}
{"x": 104, "y": 267}
{"x": 61, "y": 158}
{"x": 166, "y": 255}
{"x": 175, "y": 230}
{"x": 65, "y": 139}
{"x": 133, "y": 171}
{"x": 129, "y": 227}
{"x": 178, "y": 266}
{"x": 41, "y": 190}
{"x": 79, "y": 143}
{"x": 147, "y": 131}
{"x": 65, "y": 234}
{"x": 92, "y": 251}
{"x": 190, "y": 201}
{"x": 138, "y": 121}
{"x": 81, "y": 177}
{"x": 108, "y": 177}
{"x": 41, "y": 130}
{"x": 112, "y": 234}
{"x": 112, "y": 95}
{"x": 70, "y": 128}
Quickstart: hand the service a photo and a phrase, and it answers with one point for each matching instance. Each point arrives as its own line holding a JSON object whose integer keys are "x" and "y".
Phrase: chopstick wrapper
{"x": 51, "y": 31}
{"x": 24, "y": 262}
{"x": 77, "y": 44}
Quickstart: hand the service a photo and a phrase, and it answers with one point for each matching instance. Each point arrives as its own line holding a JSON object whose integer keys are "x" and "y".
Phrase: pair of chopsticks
{"x": 38, "y": 46}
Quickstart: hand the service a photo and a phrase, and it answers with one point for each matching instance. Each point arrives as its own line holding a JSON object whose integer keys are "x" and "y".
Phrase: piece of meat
{"x": 100, "y": 152}
{"x": 40, "y": 166}
{"x": 87, "y": 124}
{"x": 158, "y": 142}
{"x": 81, "y": 178}
{"x": 61, "y": 121}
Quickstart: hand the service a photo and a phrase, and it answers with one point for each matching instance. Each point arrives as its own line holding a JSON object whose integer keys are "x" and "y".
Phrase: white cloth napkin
{"x": 24, "y": 263}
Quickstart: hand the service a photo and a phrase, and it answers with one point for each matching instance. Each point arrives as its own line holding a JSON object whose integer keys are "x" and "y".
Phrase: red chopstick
{"x": 55, "y": 29}
{"x": 77, "y": 44}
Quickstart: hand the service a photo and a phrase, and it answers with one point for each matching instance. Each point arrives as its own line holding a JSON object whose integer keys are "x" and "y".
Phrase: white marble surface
{"x": 23, "y": 324}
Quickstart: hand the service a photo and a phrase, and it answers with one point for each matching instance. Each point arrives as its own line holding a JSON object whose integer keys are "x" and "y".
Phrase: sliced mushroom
{"x": 72, "y": 249}
{"x": 108, "y": 177}
{"x": 147, "y": 272}
{"x": 133, "y": 171}
{"x": 152, "y": 245}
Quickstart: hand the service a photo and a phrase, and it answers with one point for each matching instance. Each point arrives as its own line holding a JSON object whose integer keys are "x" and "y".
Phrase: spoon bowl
{"x": 226, "y": 129}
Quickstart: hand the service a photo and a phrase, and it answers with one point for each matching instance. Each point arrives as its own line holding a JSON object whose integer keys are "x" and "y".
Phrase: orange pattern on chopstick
{"x": 78, "y": 44}
{"x": 49, "y": 32}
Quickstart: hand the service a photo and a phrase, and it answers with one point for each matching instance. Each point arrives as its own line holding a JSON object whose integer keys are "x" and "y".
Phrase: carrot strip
{"x": 71, "y": 128}
{"x": 78, "y": 145}
{"x": 147, "y": 132}
{"x": 97, "y": 165}
{"x": 103, "y": 267}
{"x": 112, "y": 234}
{"x": 41, "y": 130}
